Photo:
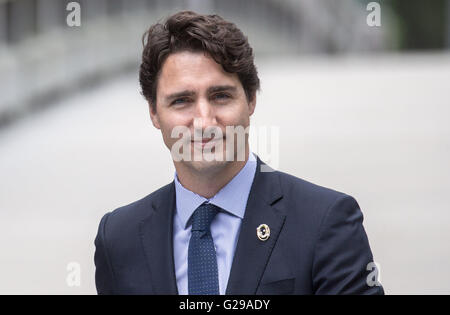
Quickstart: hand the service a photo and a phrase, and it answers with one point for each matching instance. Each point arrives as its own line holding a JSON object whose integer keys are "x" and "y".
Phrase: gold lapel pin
{"x": 263, "y": 232}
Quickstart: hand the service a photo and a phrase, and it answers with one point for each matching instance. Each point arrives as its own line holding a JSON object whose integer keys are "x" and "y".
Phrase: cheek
{"x": 238, "y": 116}
{"x": 169, "y": 123}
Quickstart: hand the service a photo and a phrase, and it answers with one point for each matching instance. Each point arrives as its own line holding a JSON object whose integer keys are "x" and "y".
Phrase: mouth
{"x": 208, "y": 141}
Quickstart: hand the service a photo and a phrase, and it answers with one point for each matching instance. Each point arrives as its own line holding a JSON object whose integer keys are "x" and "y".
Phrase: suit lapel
{"x": 157, "y": 240}
{"x": 252, "y": 254}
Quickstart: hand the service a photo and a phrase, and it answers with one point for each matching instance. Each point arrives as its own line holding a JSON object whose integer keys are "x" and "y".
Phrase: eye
{"x": 179, "y": 101}
{"x": 221, "y": 96}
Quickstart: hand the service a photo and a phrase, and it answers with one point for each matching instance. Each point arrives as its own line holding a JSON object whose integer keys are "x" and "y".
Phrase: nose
{"x": 205, "y": 114}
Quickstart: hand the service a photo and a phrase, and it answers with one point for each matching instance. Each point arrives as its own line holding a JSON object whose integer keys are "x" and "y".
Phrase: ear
{"x": 252, "y": 104}
{"x": 154, "y": 116}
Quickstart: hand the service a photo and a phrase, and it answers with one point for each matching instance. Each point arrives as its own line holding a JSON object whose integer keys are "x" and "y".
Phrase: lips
{"x": 203, "y": 142}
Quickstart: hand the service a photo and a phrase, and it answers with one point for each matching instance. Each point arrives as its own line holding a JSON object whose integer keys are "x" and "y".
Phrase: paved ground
{"x": 375, "y": 128}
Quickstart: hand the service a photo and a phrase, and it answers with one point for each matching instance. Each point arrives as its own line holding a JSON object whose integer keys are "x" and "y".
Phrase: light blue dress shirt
{"x": 232, "y": 198}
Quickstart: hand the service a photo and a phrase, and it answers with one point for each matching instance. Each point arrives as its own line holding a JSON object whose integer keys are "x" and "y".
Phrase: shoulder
{"x": 312, "y": 205}
{"x": 130, "y": 215}
{"x": 305, "y": 192}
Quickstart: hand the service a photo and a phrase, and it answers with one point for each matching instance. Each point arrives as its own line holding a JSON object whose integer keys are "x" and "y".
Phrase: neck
{"x": 208, "y": 183}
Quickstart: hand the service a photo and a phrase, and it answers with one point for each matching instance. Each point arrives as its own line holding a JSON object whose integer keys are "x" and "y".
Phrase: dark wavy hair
{"x": 189, "y": 31}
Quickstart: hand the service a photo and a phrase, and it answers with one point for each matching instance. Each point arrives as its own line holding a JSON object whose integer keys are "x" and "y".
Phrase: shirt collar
{"x": 231, "y": 198}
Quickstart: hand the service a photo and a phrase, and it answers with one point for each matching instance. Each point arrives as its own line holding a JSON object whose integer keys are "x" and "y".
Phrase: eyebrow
{"x": 179, "y": 94}
{"x": 221, "y": 88}
{"x": 212, "y": 89}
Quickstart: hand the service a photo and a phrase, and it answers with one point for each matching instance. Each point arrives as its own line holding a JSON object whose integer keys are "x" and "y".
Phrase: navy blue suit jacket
{"x": 317, "y": 243}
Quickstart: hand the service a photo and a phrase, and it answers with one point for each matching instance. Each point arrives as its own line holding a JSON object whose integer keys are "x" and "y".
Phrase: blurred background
{"x": 358, "y": 91}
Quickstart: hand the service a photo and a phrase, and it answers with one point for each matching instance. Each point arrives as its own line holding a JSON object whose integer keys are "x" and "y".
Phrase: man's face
{"x": 192, "y": 86}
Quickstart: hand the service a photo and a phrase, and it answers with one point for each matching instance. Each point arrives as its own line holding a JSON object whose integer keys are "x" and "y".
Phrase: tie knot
{"x": 203, "y": 216}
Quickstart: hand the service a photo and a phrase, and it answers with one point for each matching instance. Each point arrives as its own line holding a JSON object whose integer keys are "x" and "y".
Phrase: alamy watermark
{"x": 212, "y": 144}
{"x": 374, "y": 277}
{"x": 73, "y": 278}
{"x": 74, "y": 17}
{"x": 374, "y": 17}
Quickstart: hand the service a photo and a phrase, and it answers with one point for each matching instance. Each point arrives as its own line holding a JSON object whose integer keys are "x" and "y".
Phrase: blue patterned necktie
{"x": 202, "y": 262}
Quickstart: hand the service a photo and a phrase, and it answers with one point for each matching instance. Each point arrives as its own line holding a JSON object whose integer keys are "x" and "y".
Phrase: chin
{"x": 207, "y": 166}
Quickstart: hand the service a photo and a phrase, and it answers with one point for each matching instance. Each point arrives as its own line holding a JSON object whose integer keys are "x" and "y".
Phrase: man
{"x": 224, "y": 225}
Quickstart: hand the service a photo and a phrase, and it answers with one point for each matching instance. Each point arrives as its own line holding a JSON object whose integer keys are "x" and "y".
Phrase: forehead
{"x": 192, "y": 70}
